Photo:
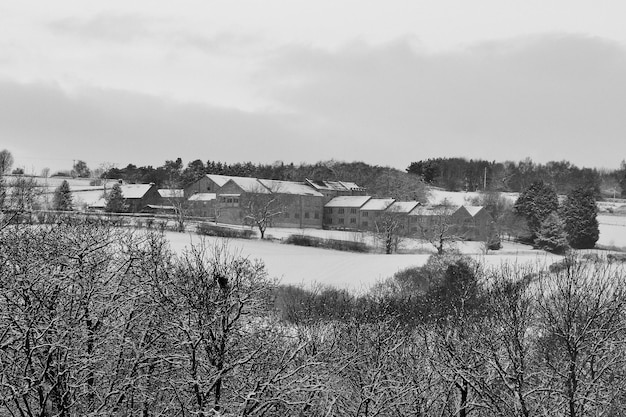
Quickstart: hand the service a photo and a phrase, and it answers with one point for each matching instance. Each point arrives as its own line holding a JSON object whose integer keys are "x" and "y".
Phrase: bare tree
{"x": 436, "y": 226}
{"x": 260, "y": 206}
{"x": 390, "y": 230}
{"x": 581, "y": 310}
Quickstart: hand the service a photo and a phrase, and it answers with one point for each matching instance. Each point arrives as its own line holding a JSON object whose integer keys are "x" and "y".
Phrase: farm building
{"x": 371, "y": 212}
{"x": 344, "y": 212}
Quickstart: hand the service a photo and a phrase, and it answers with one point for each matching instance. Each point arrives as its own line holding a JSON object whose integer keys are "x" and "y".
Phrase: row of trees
{"x": 101, "y": 321}
{"x": 383, "y": 181}
{"x": 458, "y": 174}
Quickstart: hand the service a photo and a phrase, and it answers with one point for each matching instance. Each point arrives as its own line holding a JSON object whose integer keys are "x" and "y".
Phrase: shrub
{"x": 343, "y": 245}
{"x": 223, "y": 231}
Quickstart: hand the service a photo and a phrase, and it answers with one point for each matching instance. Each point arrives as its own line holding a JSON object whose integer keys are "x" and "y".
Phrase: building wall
{"x": 342, "y": 218}
{"x": 301, "y": 211}
{"x": 203, "y": 185}
{"x": 152, "y": 196}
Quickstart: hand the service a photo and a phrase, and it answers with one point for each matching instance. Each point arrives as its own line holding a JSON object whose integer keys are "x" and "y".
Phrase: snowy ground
{"x": 354, "y": 271}
{"x": 612, "y": 230}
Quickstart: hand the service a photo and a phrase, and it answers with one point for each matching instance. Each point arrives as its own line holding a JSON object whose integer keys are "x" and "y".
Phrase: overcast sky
{"x": 385, "y": 82}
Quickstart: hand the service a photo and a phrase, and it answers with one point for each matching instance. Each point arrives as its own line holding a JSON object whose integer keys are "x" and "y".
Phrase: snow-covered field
{"x": 612, "y": 230}
{"x": 354, "y": 271}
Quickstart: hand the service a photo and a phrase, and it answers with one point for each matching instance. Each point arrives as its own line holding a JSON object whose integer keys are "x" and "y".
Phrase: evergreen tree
{"x": 62, "y": 200}
{"x": 115, "y": 200}
{"x": 579, "y": 213}
{"x": 551, "y": 235}
{"x": 535, "y": 204}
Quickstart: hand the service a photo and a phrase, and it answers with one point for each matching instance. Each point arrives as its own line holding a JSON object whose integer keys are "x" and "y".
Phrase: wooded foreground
{"x": 97, "y": 320}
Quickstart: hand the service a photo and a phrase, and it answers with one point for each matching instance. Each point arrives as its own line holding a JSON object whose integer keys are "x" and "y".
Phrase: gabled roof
{"x": 249, "y": 185}
{"x": 135, "y": 190}
{"x": 433, "y": 210}
{"x": 289, "y": 187}
{"x": 377, "y": 204}
{"x": 171, "y": 193}
{"x": 220, "y": 180}
{"x": 403, "y": 207}
{"x": 203, "y": 197}
{"x": 473, "y": 210}
{"x": 348, "y": 201}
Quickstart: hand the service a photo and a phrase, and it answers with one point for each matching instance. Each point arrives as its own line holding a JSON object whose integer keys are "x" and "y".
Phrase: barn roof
{"x": 377, "y": 204}
{"x": 348, "y": 201}
{"x": 171, "y": 193}
{"x": 249, "y": 185}
{"x": 289, "y": 187}
{"x": 432, "y": 210}
{"x": 135, "y": 190}
{"x": 403, "y": 206}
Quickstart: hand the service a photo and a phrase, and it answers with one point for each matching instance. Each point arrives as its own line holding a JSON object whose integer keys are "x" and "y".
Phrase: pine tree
{"x": 63, "y": 197}
{"x": 579, "y": 213}
{"x": 551, "y": 235}
{"x": 115, "y": 200}
{"x": 535, "y": 204}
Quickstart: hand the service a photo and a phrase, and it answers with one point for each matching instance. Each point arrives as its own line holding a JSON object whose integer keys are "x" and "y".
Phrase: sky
{"x": 387, "y": 83}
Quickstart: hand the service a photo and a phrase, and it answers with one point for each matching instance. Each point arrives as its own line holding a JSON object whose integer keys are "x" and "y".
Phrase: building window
{"x": 364, "y": 224}
{"x": 296, "y": 215}
{"x": 352, "y": 220}
{"x": 316, "y": 215}
{"x": 329, "y": 210}
{"x": 365, "y": 214}
{"x": 341, "y": 220}
{"x": 340, "y": 211}
{"x": 352, "y": 211}
{"x": 306, "y": 214}
{"x": 330, "y": 221}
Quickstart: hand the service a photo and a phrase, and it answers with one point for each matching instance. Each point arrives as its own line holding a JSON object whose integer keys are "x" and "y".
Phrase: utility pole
{"x": 485, "y": 180}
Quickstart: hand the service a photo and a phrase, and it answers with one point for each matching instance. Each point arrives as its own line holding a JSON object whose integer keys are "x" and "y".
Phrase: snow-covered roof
{"x": 249, "y": 185}
{"x": 203, "y": 197}
{"x": 333, "y": 185}
{"x": 171, "y": 193}
{"x": 134, "y": 190}
{"x": 289, "y": 187}
{"x": 220, "y": 180}
{"x": 348, "y": 201}
{"x": 473, "y": 210}
{"x": 403, "y": 206}
{"x": 432, "y": 210}
{"x": 378, "y": 204}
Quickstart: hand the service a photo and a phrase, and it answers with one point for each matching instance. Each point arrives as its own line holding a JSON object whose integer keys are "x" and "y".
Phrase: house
{"x": 371, "y": 212}
{"x": 343, "y": 211}
{"x": 210, "y": 183}
{"x": 425, "y": 220}
{"x": 136, "y": 197}
{"x": 473, "y": 222}
{"x": 301, "y": 205}
{"x": 202, "y": 205}
{"x": 170, "y": 196}
{"x": 400, "y": 210}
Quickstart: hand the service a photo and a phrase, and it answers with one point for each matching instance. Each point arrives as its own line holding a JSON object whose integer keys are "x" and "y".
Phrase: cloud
{"x": 554, "y": 96}
{"x": 122, "y": 127}
{"x": 107, "y": 27}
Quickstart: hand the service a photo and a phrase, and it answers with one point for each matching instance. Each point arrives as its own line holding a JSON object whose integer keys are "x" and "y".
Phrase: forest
{"x": 98, "y": 320}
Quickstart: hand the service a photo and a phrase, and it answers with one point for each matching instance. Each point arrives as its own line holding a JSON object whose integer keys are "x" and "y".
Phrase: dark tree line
{"x": 458, "y": 174}
{"x": 378, "y": 180}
